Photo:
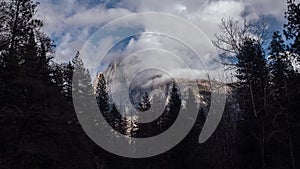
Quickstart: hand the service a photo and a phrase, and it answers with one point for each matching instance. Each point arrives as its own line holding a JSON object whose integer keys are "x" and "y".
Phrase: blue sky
{"x": 71, "y": 22}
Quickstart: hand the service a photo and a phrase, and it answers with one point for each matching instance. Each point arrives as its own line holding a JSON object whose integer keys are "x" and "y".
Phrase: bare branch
{"x": 233, "y": 33}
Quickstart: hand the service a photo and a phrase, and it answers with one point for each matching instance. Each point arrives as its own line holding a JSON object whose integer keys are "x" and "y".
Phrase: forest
{"x": 260, "y": 127}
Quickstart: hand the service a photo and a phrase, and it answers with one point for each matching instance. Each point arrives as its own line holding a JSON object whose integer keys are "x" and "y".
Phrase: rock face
{"x": 150, "y": 82}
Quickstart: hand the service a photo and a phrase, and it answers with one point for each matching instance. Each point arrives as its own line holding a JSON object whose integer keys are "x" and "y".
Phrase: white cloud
{"x": 72, "y": 23}
{"x": 96, "y": 15}
{"x": 215, "y": 11}
{"x": 275, "y": 8}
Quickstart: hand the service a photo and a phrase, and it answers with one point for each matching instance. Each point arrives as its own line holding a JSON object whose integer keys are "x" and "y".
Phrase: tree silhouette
{"x": 145, "y": 104}
{"x": 102, "y": 94}
{"x": 173, "y": 107}
{"x": 292, "y": 28}
{"x": 191, "y": 104}
{"x": 280, "y": 65}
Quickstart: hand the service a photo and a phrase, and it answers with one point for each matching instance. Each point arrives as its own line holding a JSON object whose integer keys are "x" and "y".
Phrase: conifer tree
{"x": 292, "y": 28}
{"x": 173, "y": 107}
{"x": 25, "y": 51}
{"x": 83, "y": 84}
{"x": 251, "y": 67}
{"x": 280, "y": 65}
{"x": 282, "y": 76}
{"x": 145, "y": 104}
{"x": 102, "y": 94}
{"x": 191, "y": 102}
{"x": 67, "y": 79}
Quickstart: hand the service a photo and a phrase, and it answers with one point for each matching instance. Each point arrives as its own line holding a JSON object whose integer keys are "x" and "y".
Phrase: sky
{"x": 89, "y": 26}
{"x": 70, "y": 23}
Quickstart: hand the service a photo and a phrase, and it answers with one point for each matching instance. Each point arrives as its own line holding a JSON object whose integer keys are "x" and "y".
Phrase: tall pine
{"x": 145, "y": 104}
{"x": 101, "y": 93}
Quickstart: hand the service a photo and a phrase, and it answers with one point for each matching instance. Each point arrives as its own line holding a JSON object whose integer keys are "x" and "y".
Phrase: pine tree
{"x": 191, "y": 106}
{"x": 22, "y": 39}
{"x": 251, "y": 67}
{"x": 82, "y": 91}
{"x": 174, "y": 101}
{"x": 83, "y": 84}
{"x": 191, "y": 102}
{"x": 280, "y": 65}
{"x": 173, "y": 107}
{"x": 253, "y": 76}
{"x": 67, "y": 79}
{"x": 102, "y": 94}
{"x": 61, "y": 78}
{"x": 292, "y": 28}
{"x": 281, "y": 84}
{"x": 156, "y": 126}
{"x": 145, "y": 104}
{"x": 119, "y": 122}
{"x": 25, "y": 52}
{"x": 57, "y": 76}
{"x": 253, "y": 89}
{"x": 31, "y": 106}
{"x": 291, "y": 90}
{"x": 103, "y": 103}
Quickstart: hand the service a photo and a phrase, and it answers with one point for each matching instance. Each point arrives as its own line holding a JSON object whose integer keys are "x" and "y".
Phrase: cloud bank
{"x": 71, "y": 22}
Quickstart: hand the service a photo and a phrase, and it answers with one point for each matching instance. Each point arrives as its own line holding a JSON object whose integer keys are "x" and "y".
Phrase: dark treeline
{"x": 39, "y": 127}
